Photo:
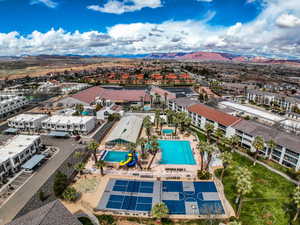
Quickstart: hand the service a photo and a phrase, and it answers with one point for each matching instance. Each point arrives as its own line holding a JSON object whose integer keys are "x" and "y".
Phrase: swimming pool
{"x": 115, "y": 156}
{"x": 167, "y": 131}
{"x": 147, "y": 107}
{"x": 176, "y": 152}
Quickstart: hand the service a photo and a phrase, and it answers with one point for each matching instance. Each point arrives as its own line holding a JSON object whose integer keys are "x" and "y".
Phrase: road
{"x": 17, "y": 201}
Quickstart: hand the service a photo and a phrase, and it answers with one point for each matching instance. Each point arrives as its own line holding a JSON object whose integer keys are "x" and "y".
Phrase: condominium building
{"x": 285, "y": 102}
{"x": 17, "y": 151}
{"x": 27, "y": 121}
{"x": 71, "y": 124}
{"x": 287, "y": 150}
{"x": 202, "y": 115}
{"x": 181, "y": 104}
{"x": 12, "y": 104}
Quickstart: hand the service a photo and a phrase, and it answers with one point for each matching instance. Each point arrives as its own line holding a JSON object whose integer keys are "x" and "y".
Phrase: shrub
{"x": 60, "y": 183}
{"x": 42, "y": 196}
{"x": 70, "y": 194}
{"x": 203, "y": 175}
{"x": 106, "y": 219}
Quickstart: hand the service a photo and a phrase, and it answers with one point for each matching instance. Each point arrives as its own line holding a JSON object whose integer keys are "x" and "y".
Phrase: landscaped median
{"x": 270, "y": 201}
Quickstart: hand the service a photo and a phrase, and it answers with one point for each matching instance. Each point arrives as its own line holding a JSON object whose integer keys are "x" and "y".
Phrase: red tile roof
{"x": 89, "y": 95}
{"x": 214, "y": 115}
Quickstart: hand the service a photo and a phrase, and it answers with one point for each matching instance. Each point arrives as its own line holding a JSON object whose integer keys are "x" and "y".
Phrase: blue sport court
{"x": 176, "y": 152}
{"x": 181, "y": 198}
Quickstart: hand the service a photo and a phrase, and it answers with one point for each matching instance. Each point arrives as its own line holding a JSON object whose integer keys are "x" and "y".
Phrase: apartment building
{"x": 287, "y": 150}
{"x": 16, "y": 152}
{"x": 71, "y": 124}
{"x": 202, "y": 115}
{"x": 285, "y": 102}
{"x": 11, "y": 104}
{"x": 181, "y": 104}
{"x": 27, "y": 121}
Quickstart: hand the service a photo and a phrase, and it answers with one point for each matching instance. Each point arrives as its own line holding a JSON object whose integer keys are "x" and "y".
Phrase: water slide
{"x": 130, "y": 161}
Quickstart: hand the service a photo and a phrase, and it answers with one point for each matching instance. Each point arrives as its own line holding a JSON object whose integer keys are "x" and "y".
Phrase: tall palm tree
{"x": 154, "y": 148}
{"x": 99, "y": 165}
{"x": 142, "y": 142}
{"x": 157, "y": 118}
{"x": 201, "y": 148}
{"x": 209, "y": 128}
{"x": 210, "y": 150}
{"x": 296, "y": 200}
{"x": 176, "y": 122}
{"x": 169, "y": 114}
{"x": 147, "y": 125}
{"x": 161, "y": 123}
{"x": 258, "y": 144}
{"x": 234, "y": 141}
{"x": 243, "y": 185}
{"x": 93, "y": 146}
{"x": 159, "y": 211}
{"x": 165, "y": 100}
{"x": 271, "y": 145}
{"x": 227, "y": 160}
{"x": 218, "y": 134}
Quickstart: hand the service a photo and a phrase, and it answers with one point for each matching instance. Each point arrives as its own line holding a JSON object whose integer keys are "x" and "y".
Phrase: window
{"x": 292, "y": 153}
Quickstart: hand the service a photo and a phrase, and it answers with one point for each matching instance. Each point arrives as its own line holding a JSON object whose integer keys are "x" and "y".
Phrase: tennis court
{"x": 181, "y": 198}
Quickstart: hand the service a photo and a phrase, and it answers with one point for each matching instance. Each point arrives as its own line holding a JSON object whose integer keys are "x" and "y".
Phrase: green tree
{"x": 147, "y": 125}
{"x": 70, "y": 194}
{"x": 93, "y": 146}
{"x": 296, "y": 200}
{"x": 79, "y": 167}
{"x": 201, "y": 148}
{"x": 271, "y": 145}
{"x": 210, "y": 150}
{"x": 227, "y": 160}
{"x": 209, "y": 128}
{"x": 219, "y": 134}
{"x": 258, "y": 144}
{"x": 60, "y": 183}
{"x": 79, "y": 108}
{"x": 243, "y": 185}
{"x": 235, "y": 223}
{"x": 157, "y": 118}
{"x": 78, "y": 155}
{"x": 99, "y": 165}
{"x": 159, "y": 211}
{"x": 234, "y": 141}
{"x": 142, "y": 142}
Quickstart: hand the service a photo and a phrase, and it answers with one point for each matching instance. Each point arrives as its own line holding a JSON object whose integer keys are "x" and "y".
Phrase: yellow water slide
{"x": 128, "y": 160}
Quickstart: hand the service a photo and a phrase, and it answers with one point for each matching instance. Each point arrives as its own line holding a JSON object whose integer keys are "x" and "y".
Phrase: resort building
{"x": 202, "y": 114}
{"x": 181, "y": 104}
{"x": 267, "y": 98}
{"x": 104, "y": 113}
{"x": 70, "y": 124}
{"x": 27, "y": 121}
{"x": 126, "y": 131}
{"x": 17, "y": 151}
{"x": 287, "y": 150}
{"x": 163, "y": 95}
{"x": 12, "y": 104}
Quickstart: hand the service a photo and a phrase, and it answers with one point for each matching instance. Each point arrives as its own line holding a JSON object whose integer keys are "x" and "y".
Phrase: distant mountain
{"x": 217, "y": 56}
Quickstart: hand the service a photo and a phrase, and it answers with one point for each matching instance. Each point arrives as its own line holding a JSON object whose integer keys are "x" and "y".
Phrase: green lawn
{"x": 270, "y": 200}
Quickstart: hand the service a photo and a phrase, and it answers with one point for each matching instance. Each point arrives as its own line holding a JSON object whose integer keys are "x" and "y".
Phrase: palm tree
{"x": 201, "y": 148}
{"x": 218, "y": 134}
{"x": 165, "y": 100}
{"x": 159, "y": 211}
{"x": 296, "y": 200}
{"x": 142, "y": 142}
{"x": 79, "y": 167}
{"x": 157, "y": 118}
{"x": 93, "y": 146}
{"x": 161, "y": 123}
{"x": 154, "y": 148}
{"x": 227, "y": 160}
{"x": 78, "y": 155}
{"x": 169, "y": 114}
{"x": 272, "y": 145}
{"x": 210, "y": 150}
{"x": 258, "y": 144}
{"x": 147, "y": 124}
{"x": 243, "y": 185}
{"x": 99, "y": 165}
{"x": 176, "y": 122}
{"x": 209, "y": 128}
{"x": 234, "y": 141}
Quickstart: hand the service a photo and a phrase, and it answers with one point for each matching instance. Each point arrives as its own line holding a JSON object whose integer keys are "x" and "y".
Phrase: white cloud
{"x": 48, "y": 3}
{"x": 288, "y": 21}
{"x": 119, "y": 7}
{"x": 261, "y": 36}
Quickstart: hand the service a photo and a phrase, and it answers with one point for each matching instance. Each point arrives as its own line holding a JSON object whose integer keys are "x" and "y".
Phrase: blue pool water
{"x": 167, "y": 131}
{"x": 176, "y": 152}
{"x": 115, "y": 156}
{"x": 147, "y": 107}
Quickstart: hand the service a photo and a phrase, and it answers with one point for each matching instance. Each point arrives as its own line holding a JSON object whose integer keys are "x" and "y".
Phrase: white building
{"x": 103, "y": 113}
{"x": 27, "y": 121}
{"x": 71, "y": 124}
{"x": 12, "y": 104}
{"x": 181, "y": 104}
{"x": 16, "y": 152}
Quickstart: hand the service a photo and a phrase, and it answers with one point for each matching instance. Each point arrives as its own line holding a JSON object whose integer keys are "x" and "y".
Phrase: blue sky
{"x": 258, "y": 27}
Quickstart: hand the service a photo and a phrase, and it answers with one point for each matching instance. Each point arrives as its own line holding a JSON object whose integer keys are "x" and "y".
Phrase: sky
{"x": 123, "y": 27}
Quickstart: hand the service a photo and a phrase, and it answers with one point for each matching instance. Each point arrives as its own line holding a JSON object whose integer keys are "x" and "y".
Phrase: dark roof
{"x": 185, "y": 101}
{"x": 31, "y": 163}
{"x": 284, "y": 139}
{"x": 53, "y": 213}
{"x": 214, "y": 115}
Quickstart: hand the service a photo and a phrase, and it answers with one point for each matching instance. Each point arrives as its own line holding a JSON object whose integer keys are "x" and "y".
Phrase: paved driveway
{"x": 11, "y": 208}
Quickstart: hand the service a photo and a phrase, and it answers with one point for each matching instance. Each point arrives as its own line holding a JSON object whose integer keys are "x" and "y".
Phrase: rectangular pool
{"x": 176, "y": 152}
{"x": 115, "y": 156}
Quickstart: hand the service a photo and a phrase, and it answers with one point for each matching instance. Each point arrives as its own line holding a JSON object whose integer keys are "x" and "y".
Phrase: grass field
{"x": 270, "y": 200}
